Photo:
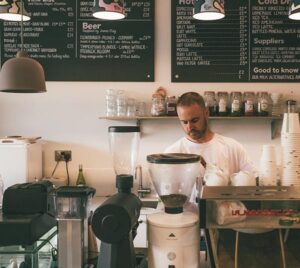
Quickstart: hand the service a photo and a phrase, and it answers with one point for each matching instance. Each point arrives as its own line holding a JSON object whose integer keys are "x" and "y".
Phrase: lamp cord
{"x": 68, "y": 176}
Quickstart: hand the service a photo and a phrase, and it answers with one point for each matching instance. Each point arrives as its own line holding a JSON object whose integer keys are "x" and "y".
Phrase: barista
{"x": 229, "y": 155}
{"x": 223, "y": 152}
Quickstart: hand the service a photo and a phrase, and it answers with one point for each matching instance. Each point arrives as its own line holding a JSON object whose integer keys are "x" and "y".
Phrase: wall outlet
{"x": 62, "y": 155}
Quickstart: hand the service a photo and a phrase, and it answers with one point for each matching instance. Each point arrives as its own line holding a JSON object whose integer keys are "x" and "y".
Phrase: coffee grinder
{"x": 173, "y": 235}
{"x": 72, "y": 207}
{"x": 115, "y": 223}
{"x": 116, "y": 220}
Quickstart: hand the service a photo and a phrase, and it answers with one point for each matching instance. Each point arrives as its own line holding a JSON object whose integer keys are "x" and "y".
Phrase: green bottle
{"x": 80, "y": 179}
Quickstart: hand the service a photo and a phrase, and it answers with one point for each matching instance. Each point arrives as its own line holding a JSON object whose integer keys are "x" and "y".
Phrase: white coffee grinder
{"x": 173, "y": 235}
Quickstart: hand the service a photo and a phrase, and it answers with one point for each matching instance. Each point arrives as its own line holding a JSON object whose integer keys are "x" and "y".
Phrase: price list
{"x": 72, "y": 45}
{"x": 255, "y": 42}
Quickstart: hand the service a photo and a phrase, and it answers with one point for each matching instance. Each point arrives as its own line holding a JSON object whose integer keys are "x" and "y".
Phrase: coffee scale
{"x": 173, "y": 235}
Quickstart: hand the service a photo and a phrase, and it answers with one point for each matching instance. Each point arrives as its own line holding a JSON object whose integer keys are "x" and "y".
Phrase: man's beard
{"x": 199, "y": 134}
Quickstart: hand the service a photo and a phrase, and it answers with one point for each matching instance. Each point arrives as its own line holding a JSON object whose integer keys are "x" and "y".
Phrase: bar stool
{"x": 281, "y": 242}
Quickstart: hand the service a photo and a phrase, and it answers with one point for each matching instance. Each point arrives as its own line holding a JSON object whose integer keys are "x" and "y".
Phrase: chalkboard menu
{"x": 72, "y": 45}
{"x": 255, "y": 42}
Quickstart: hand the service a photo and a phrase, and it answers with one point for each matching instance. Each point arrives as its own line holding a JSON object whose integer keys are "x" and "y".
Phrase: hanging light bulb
{"x": 208, "y": 9}
{"x": 22, "y": 74}
{"x": 14, "y": 11}
{"x": 294, "y": 10}
{"x": 109, "y": 9}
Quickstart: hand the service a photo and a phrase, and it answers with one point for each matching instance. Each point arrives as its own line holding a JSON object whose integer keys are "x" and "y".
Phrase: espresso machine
{"x": 173, "y": 235}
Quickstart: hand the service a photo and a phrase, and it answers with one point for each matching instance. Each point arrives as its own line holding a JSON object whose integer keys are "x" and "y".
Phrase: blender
{"x": 173, "y": 235}
{"x": 124, "y": 144}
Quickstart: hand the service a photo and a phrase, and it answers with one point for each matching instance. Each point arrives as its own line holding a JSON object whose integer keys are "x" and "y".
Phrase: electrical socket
{"x": 61, "y": 155}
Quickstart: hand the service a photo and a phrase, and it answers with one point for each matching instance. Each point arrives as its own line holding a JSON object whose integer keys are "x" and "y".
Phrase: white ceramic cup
{"x": 242, "y": 178}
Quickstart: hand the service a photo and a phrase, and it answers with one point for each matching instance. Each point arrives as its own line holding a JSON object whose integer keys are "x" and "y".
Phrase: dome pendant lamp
{"x": 14, "y": 11}
{"x": 109, "y": 9}
{"x": 208, "y": 9}
{"x": 294, "y": 10}
{"x": 22, "y": 74}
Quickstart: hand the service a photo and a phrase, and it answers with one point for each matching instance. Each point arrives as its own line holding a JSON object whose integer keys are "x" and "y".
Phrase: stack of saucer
{"x": 290, "y": 142}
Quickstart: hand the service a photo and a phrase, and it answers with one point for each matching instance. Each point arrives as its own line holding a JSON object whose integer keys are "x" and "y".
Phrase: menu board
{"x": 72, "y": 45}
{"x": 255, "y": 42}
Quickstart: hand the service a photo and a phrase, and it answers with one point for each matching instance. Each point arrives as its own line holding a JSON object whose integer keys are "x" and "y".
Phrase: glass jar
{"x": 263, "y": 104}
{"x": 249, "y": 103}
{"x": 222, "y": 103}
{"x": 210, "y": 102}
{"x": 171, "y": 106}
{"x": 236, "y": 103}
{"x": 158, "y": 106}
{"x": 291, "y": 106}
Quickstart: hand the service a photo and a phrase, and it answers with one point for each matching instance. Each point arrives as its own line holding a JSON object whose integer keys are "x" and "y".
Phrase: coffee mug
{"x": 243, "y": 178}
{"x": 214, "y": 176}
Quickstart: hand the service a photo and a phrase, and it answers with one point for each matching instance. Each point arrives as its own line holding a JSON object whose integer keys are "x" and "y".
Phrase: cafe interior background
{"x": 67, "y": 116}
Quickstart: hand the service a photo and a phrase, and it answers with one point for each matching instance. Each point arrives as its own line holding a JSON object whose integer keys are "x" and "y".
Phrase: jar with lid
{"x": 210, "y": 102}
{"x": 236, "y": 103}
{"x": 249, "y": 103}
{"x": 291, "y": 106}
{"x": 263, "y": 104}
{"x": 158, "y": 106}
{"x": 171, "y": 106}
{"x": 222, "y": 103}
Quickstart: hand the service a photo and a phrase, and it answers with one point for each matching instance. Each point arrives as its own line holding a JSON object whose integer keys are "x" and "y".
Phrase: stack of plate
{"x": 290, "y": 142}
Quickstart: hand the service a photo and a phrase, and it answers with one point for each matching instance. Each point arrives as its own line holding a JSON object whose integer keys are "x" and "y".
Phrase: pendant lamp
{"x": 109, "y": 9}
{"x": 208, "y": 9}
{"x": 14, "y": 11}
{"x": 294, "y": 10}
{"x": 22, "y": 74}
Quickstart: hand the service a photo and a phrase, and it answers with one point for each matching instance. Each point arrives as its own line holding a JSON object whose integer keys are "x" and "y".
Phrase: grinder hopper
{"x": 173, "y": 176}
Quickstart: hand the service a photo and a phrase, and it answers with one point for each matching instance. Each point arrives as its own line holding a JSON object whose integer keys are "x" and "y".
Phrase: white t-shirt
{"x": 223, "y": 152}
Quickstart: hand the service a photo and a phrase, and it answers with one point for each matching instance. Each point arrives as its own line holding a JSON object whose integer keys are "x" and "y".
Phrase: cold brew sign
{"x": 255, "y": 42}
{"x": 72, "y": 45}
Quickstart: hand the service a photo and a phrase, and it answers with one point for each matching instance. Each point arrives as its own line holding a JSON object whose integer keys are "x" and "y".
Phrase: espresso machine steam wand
{"x": 115, "y": 223}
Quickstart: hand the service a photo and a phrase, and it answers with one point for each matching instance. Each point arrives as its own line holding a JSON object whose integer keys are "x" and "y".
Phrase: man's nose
{"x": 190, "y": 126}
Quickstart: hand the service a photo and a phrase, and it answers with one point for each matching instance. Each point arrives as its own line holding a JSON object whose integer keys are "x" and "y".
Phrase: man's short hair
{"x": 190, "y": 98}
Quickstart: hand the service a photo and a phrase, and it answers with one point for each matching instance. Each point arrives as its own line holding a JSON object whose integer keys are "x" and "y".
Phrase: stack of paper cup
{"x": 290, "y": 143}
{"x": 268, "y": 167}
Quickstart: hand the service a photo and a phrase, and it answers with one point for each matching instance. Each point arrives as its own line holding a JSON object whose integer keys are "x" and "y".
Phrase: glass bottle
{"x": 80, "y": 177}
{"x": 249, "y": 103}
{"x": 222, "y": 103}
{"x": 236, "y": 103}
{"x": 263, "y": 104}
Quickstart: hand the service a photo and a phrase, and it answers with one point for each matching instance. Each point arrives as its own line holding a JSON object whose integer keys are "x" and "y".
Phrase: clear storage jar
{"x": 210, "y": 102}
{"x": 171, "y": 106}
{"x": 249, "y": 103}
{"x": 236, "y": 103}
{"x": 222, "y": 103}
{"x": 263, "y": 104}
{"x": 158, "y": 107}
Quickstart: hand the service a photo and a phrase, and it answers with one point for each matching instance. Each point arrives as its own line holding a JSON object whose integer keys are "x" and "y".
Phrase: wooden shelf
{"x": 272, "y": 119}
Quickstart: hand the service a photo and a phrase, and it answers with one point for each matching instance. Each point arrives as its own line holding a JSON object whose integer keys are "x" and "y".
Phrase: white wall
{"x": 67, "y": 115}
